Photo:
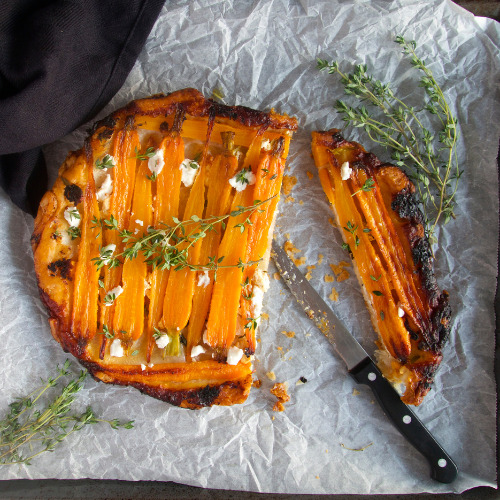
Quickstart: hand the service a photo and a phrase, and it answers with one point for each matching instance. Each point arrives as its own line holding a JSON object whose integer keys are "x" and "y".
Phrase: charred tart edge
{"x": 405, "y": 205}
{"x": 194, "y": 104}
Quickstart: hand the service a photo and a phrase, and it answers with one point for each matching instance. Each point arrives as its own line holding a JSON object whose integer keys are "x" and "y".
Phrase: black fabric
{"x": 61, "y": 61}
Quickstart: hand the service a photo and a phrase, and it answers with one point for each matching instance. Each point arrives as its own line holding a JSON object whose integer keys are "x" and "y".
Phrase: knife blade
{"x": 362, "y": 368}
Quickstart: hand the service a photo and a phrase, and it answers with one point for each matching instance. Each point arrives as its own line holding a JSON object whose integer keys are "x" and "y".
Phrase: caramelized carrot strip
{"x": 181, "y": 283}
{"x": 392, "y": 328}
{"x": 123, "y": 174}
{"x": 268, "y": 183}
{"x": 84, "y": 313}
{"x": 222, "y": 319}
{"x": 218, "y": 202}
{"x": 129, "y": 310}
{"x": 166, "y": 206}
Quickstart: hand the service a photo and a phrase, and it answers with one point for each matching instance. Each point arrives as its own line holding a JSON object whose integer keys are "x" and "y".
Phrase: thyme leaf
{"x": 33, "y": 426}
{"x": 429, "y": 157}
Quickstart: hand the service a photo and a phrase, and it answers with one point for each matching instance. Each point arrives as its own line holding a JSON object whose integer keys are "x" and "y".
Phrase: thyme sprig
{"x": 28, "y": 430}
{"x": 434, "y": 168}
{"x": 167, "y": 247}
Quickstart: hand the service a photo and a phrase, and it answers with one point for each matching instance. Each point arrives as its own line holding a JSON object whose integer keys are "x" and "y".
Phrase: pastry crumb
{"x": 332, "y": 222}
{"x": 280, "y": 391}
{"x": 329, "y": 278}
{"x": 289, "y": 182}
{"x": 355, "y": 392}
{"x": 278, "y": 406}
{"x": 290, "y": 335}
{"x": 271, "y": 375}
{"x": 320, "y": 258}
{"x": 276, "y": 276}
{"x": 289, "y": 199}
{"x": 310, "y": 174}
{"x": 257, "y": 383}
{"x": 264, "y": 316}
{"x": 301, "y": 202}
{"x": 334, "y": 296}
{"x": 308, "y": 276}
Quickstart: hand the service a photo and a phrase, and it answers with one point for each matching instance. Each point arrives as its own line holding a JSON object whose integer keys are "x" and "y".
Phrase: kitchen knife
{"x": 363, "y": 369}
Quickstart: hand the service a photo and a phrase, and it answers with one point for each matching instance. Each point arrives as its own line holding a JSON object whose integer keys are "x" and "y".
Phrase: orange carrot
{"x": 84, "y": 313}
{"x": 166, "y": 206}
{"x": 218, "y": 202}
{"x": 129, "y": 310}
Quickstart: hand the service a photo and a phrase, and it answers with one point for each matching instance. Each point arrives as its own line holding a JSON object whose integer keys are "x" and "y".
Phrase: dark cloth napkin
{"x": 61, "y": 61}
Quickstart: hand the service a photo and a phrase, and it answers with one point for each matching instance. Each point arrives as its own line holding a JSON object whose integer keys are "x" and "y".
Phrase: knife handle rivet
{"x": 407, "y": 419}
{"x": 442, "y": 462}
{"x": 372, "y": 376}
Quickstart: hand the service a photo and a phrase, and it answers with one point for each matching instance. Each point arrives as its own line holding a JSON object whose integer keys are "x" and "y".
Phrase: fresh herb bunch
{"x": 27, "y": 431}
{"x": 168, "y": 247}
{"x": 433, "y": 168}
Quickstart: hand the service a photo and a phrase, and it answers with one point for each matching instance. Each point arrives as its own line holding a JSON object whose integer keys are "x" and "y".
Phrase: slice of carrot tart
{"x": 152, "y": 247}
{"x": 377, "y": 213}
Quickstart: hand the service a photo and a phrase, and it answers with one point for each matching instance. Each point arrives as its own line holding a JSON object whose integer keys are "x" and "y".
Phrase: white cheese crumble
{"x": 116, "y": 349}
{"x": 105, "y": 189}
{"x": 105, "y": 250}
{"x": 345, "y": 171}
{"x": 112, "y": 295}
{"x": 261, "y": 279}
{"x": 150, "y": 365}
{"x": 138, "y": 221}
{"x": 72, "y": 216}
{"x": 162, "y": 341}
{"x": 266, "y": 145}
{"x": 197, "y": 350}
{"x": 401, "y": 312}
{"x": 242, "y": 179}
{"x": 189, "y": 170}
{"x": 143, "y": 367}
{"x": 203, "y": 279}
{"x": 234, "y": 354}
{"x": 156, "y": 162}
{"x": 257, "y": 297}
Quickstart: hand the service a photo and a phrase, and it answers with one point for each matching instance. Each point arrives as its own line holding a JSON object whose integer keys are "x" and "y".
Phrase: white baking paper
{"x": 263, "y": 54}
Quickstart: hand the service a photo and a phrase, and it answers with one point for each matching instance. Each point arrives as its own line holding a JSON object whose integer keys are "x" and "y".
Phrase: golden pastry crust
{"x": 383, "y": 227}
{"x": 110, "y": 182}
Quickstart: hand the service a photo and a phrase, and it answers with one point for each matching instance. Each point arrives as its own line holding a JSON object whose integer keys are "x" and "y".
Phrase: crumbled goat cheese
{"x": 138, "y": 221}
{"x": 143, "y": 367}
{"x": 189, "y": 170}
{"x": 116, "y": 292}
{"x": 111, "y": 247}
{"x": 156, "y": 162}
{"x": 266, "y": 145}
{"x": 401, "y": 312}
{"x": 116, "y": 349}
{"x": 345, "y": 171}
{"x": 257, "y": 297}
{"x": 150, "y": 365}
{"x": 197, "y": 350}
{"x": 234, "y": 354}
{"x": 242, "y": 179}
{"x": 204, "y": 279}
{"x": 106, "y": 188}
{"x": 72, "y": 216}
{"x": 162, "y": 341}
{"x": 261, "y": 279}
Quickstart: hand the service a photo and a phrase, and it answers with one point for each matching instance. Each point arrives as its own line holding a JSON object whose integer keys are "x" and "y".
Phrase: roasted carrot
{"x": 129, "y": 309}
{"x": 181, "y": 283}
{"x": 124, "y": 152}
{"x": 166, "y": 206}
{"x": 218, "y": 202}
{"x": 84, "y": 311}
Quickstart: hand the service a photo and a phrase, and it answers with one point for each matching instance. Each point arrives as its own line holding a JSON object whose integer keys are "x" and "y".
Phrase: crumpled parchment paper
{"x": 262, "y": 54}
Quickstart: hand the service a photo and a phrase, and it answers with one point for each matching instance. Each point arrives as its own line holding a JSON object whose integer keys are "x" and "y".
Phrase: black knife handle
{"x": 443, "y": 469}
